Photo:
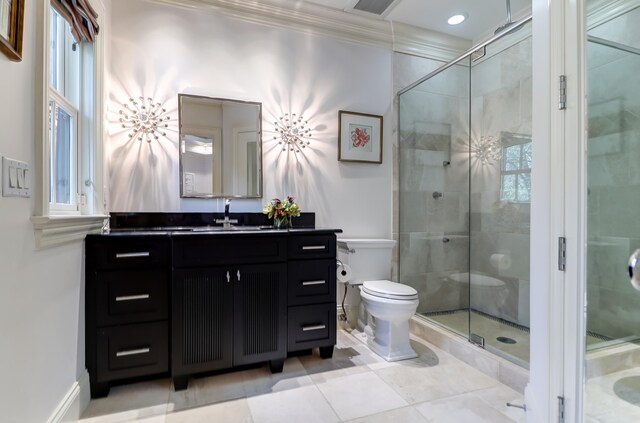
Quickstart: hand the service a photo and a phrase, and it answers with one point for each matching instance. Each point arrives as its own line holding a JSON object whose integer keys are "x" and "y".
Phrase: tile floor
{"x": 354, "y": 386}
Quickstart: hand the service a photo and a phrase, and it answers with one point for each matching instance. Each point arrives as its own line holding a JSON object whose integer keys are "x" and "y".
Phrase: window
{"x": 64, "y": 90}
{"x": 515, "y": 184}
{"x": 69, "y": 123}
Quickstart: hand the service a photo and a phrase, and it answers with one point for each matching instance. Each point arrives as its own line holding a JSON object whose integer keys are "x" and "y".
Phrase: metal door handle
{"x": 133, "y": 352}
{"x": 228, "y": 277}
{"x": 313, "y": 247}
{"x": 319, "y": 282}
{"x": 238, "y": 274}
{"x": 133, "y": 297}
{"x": 634, "y": 272}
{"x": 132, "y": 255}
{"x": 313, "y": 327}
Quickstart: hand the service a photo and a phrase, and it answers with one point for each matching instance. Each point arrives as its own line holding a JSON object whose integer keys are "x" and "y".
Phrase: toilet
{"x": 384, "y": 307}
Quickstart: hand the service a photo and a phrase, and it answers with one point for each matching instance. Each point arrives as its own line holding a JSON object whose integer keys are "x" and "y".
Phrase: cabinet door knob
{"x": 238, "y": 274}
{"x": 228, "y": 277}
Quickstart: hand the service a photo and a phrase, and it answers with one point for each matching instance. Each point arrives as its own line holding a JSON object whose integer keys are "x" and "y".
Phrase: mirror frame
{"x": 181, "y": 169}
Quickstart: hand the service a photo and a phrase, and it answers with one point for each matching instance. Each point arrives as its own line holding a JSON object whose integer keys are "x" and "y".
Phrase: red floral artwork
{"x": 359, "y": 137}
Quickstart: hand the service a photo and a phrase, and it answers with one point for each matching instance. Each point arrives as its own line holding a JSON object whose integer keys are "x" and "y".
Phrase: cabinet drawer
{"x": 132, "y": 296}
{"x": 311, "y": 281}
{"x": 313, "y": 246}
{"x": 130, "y": 252}
{"x": 132, "y": 350}
{"x": 311, "y": 326}
{"x": 217, "y": 250}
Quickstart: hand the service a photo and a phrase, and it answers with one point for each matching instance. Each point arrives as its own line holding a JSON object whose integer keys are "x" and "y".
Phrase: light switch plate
{"x": 16, "y": 178}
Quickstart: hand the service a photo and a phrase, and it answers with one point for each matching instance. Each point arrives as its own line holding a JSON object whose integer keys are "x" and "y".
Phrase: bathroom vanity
{"x": 185, "y": 300}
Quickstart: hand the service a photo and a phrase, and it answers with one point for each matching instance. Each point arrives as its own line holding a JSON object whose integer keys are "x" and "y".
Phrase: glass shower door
{"x": 500, "y": 196}
{"x": 612, "y": 391}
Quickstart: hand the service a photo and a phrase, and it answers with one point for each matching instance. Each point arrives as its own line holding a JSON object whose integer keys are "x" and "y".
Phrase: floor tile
{"x": 236, "y": 411}
{"x": 129, "y": 402}
{"x": 400, "y": 415}
{"x": 461, "y": 408}
{"x": 345, "y": 362}
{"x": 305, "y": 404}
{"x": 498, "y": 397}
{"x": 417, "y": 382}
{"x": 208, "y": 390}
{"x": 262, "y": 381}
{"x": 360, "y": 395}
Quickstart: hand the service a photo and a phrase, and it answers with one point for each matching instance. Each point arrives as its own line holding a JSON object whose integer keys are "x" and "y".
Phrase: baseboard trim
{"x": 74, "y": 402}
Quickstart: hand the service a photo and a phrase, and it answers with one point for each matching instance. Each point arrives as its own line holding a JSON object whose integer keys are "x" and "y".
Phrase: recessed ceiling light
{"x": 457, "y": 19}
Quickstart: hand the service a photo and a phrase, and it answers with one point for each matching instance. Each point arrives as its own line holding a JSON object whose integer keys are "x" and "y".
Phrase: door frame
{"x": 557, "y": 335}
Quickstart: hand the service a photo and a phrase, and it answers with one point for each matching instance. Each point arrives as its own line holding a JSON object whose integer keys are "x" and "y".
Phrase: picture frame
{"x": 359, "y": 137}
{"x": 11, "y": 28}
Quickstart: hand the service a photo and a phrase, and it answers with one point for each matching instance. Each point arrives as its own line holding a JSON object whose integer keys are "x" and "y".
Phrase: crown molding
{"x": 315, "y": 19}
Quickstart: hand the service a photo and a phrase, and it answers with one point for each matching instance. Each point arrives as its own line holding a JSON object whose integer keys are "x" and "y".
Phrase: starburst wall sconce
{"x": 145, "y": 118}
{"x": 294, "y": 132}
{"x": 488, "y": 150}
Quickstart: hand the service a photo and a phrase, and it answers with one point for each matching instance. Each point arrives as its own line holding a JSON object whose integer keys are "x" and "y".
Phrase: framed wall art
{"x": 11, "y": 24}
{"x": 359, "y": 137}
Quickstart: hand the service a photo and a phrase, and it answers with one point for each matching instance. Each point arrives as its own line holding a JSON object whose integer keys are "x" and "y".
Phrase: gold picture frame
{"x": 359, "y": 137}
{"x": 11, "y": 27}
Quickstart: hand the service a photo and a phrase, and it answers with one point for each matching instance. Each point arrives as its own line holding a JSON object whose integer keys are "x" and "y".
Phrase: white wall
{"x": 160, "y": 51}
{"x": 41, "y": 349}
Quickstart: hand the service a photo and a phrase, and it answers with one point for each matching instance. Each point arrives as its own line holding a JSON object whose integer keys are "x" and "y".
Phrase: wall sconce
{"x": 488, "y": 150}
{"x": 293, "y": 131}
{"x": 144, "y": 118}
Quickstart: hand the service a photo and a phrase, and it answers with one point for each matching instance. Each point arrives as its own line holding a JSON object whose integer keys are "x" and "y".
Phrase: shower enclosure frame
{"x": 504, "y": 31}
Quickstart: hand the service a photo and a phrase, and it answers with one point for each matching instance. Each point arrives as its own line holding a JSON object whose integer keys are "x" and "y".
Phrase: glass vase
{"x": 281, "y": 222}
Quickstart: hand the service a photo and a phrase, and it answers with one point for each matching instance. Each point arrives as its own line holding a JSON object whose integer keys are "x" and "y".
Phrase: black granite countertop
{"x": 194, "y": 224}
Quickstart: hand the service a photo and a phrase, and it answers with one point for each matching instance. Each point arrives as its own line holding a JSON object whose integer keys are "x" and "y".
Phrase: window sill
{"x": 55, "y": 230}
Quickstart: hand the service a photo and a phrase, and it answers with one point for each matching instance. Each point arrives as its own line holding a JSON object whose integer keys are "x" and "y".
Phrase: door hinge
{"x": 563, "y": 92}
{"x": 561, "y": 409}
{"x": 562, "y": 253}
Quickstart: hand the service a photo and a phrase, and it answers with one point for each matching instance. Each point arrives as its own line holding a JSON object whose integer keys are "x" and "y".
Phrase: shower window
{"x": 515, "y": 185}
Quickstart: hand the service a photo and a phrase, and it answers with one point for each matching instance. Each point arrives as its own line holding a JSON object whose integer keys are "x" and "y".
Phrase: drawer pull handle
{"x": 313, "y": 247}
{"x": 133, "y": 297}
{"x": 314, "y": 327}
{"x": 238, "y": 275}
{"x": 133, "y": 255}
{"x": 228, "y": 277}
{"x": 133, "y": 352}
{"x": 307, "y": 283}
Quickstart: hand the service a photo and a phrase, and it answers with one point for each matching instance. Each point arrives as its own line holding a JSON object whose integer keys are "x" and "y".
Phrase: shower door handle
{"x": 634, "y": 270}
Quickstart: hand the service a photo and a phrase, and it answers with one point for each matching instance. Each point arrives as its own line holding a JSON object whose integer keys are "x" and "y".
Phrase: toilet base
{"x": 390, "y": 340}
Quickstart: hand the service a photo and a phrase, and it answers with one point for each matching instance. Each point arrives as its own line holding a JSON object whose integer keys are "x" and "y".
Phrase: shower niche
{"x": 464, "y": 194}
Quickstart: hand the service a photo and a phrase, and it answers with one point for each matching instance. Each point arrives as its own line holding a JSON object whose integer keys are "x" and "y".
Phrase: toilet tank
{"x": 369, "y": 259}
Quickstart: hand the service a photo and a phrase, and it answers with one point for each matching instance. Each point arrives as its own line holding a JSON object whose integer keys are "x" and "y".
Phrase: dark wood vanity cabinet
{"x": 232, "y": 314}
{"x": 183, "y": 304}
{"x": 126, "y": 308}
{"x": 312, "y": 293}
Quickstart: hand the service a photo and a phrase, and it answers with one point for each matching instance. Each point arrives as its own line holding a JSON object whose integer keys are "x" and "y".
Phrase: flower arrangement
{"x": 282, "y": 211}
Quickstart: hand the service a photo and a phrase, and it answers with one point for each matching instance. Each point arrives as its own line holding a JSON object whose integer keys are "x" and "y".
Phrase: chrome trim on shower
{"x": 514, "y": 27}
{"x": 613, "y": 44}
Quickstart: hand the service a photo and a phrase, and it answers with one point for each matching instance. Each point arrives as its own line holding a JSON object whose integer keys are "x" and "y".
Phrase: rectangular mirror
{"x": 220, "y": 147}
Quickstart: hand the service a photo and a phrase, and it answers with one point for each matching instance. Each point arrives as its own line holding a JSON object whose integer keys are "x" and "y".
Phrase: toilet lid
{"x": 391, "y": 290}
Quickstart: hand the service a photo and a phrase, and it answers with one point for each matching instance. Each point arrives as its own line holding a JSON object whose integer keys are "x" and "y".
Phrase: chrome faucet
{"x": 226, "y": 222}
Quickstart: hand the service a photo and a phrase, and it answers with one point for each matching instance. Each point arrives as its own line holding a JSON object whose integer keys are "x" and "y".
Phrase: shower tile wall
{"x": 501, "y": 98}
{"x": 613, "y": 178}
{"x": 434, "y": 129}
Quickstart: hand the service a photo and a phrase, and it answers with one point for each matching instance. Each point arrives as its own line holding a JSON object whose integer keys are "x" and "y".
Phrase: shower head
{"x": 509, "y": 22}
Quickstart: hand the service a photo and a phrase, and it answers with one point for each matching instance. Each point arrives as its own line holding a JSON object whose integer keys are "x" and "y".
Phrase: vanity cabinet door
{"x": 202, "y": 320}
{"x": 260, "y": 316}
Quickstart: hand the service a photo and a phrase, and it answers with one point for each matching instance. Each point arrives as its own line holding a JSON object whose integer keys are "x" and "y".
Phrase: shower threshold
{"x": 493, "y": 329}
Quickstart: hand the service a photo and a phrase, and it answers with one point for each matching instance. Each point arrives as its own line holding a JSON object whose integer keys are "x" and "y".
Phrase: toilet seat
{"x": 390, "y": 290}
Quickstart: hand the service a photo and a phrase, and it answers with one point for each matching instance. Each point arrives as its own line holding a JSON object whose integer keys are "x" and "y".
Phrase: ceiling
{"x": 484, "y": 15}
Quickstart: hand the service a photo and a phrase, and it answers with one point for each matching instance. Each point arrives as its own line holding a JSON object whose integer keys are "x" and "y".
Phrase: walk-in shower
{"x": 464, "y": 192}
